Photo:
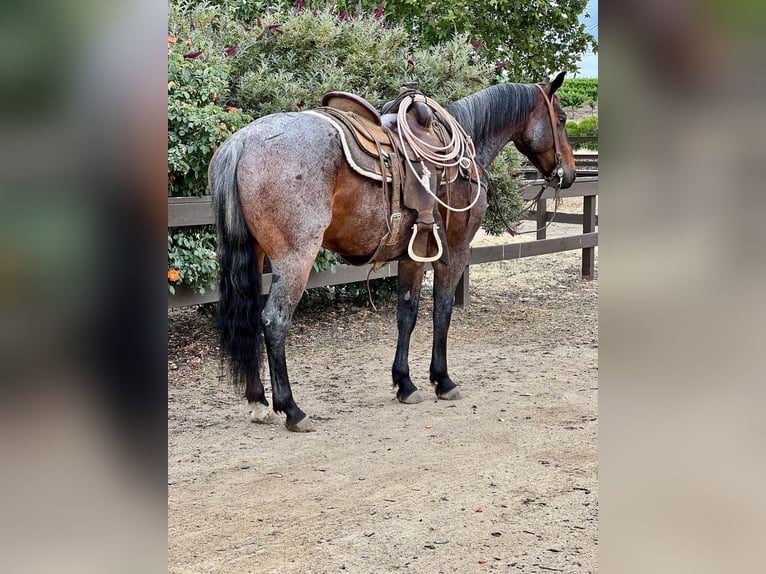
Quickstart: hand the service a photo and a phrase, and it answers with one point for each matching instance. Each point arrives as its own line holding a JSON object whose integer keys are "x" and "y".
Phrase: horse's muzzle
{"x": 567, "y": 179}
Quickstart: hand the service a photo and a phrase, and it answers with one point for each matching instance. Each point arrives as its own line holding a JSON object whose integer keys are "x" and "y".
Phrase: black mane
{"x": 488, "y": 112}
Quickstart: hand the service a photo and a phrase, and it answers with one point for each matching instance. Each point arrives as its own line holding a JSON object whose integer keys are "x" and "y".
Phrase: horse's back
{"x": 293, "y": 143}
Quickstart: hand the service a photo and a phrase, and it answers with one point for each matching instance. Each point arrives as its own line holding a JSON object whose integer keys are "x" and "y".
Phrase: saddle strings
{"x": 458, "y": 151}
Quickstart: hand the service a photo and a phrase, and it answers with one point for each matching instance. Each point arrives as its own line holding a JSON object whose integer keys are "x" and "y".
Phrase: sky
{"x": 589, "y": 62}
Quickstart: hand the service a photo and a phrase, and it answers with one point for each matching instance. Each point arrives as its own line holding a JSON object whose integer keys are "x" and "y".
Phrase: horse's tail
{"x": 240, "y": 302}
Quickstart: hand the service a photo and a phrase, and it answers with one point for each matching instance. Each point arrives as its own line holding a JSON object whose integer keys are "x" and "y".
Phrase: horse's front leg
{"x": 446, "y": 279}
{"x": 410, "y": 281}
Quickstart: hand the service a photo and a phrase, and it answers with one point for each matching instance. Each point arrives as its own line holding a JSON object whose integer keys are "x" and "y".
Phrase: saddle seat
{"x": 346, "y": 102}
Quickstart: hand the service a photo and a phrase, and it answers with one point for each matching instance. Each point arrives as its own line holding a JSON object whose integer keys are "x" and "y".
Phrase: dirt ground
{"x": 579, "y": 114}
{"x": 503, "y": 480}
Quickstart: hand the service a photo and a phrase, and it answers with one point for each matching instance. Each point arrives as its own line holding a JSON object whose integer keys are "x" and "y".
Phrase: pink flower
{"x": 274, "y": 27}
{"x": 230, "y": 51}
{"x": 192, "y": 55}
{"x": 379, "y": 11}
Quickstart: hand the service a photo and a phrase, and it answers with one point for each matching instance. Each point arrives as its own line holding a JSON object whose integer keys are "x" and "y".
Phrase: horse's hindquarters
{"x": 286, "y": 175}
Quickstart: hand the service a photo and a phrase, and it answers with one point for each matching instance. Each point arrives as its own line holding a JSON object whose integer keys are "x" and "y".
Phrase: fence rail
{"x": 191, "y": 211}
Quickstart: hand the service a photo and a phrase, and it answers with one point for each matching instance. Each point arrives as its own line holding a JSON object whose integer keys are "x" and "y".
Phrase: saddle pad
{"x": 358, "y": 147}
{"x": 360, "y": 139}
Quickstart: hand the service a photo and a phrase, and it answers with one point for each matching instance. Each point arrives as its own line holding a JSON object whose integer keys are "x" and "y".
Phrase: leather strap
{"x": 396, "y": 198}
{"x": 554, "y": 124}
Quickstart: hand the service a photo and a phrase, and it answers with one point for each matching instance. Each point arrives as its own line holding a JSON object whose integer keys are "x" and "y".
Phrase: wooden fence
{"x": 190, "y": 211}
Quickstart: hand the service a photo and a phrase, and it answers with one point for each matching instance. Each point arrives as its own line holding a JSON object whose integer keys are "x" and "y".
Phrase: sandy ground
{"x": 504, "y": 480}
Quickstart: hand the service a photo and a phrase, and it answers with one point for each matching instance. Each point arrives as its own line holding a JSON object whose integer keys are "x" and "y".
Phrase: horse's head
{"x": 544, "y": 139}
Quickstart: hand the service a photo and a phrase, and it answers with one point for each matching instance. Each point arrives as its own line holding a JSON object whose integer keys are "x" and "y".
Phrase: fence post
{"x": 542, "y": 217}
{"x": 588, "y": 226}
{"x": 461, "y": 292}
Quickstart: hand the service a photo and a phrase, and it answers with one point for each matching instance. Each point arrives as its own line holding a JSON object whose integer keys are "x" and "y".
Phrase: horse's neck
{"x": 494, "y": 117}
{"x": 487, "y": 150}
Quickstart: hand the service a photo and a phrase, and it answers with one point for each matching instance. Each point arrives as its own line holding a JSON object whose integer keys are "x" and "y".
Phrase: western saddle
{"x": 375, "y": 147}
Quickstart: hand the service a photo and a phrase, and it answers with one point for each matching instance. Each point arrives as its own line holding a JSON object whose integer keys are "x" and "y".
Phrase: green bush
{"x": 291, "y": 60}
{"x": 191, "y": 259}
{"x": 504, "y": 201}
{"x": 232, "y": 61}
{"x": 198, "y": 83}
{"x": 578, "y": 92}
{"x": 587, "y": 127}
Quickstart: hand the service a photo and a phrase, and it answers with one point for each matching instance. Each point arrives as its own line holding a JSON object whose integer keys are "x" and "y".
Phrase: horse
{"x": 282, "y": 189}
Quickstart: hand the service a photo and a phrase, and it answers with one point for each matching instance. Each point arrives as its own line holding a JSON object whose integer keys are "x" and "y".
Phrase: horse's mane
{"x": 488, "y": 112}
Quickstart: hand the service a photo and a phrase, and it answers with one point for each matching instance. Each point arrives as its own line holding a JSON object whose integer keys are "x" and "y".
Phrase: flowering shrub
{"x": 191, "y": 259}
{"x": 290, "y": 60}
{"x": 198, "y": 82}
{"x": 231, "y": 61}
{"x": 199, "y": 120}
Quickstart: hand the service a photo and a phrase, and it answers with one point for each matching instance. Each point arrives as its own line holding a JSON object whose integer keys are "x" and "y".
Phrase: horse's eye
{"x": 562, "y": 120}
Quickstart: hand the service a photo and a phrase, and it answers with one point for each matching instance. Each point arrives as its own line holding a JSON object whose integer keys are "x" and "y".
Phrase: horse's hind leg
{"x": 256, "y": 398}
{"x": 410, "y": 280}
{"x": 289, "y": 277}
{"x": 254, "y": 392}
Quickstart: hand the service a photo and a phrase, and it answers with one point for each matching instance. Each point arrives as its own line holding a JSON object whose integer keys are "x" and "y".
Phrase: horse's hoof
{"x": 303, "y": 425}
{"x": 412, "y": 399}
{"x": 261, "y": 413}
{"x": 451, "y": 395}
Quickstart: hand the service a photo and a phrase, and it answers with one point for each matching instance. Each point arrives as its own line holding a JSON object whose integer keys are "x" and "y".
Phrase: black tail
{"x": 240, "y": 301}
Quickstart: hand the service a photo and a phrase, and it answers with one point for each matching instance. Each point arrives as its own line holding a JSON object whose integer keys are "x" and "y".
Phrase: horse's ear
{"x": 556, "y": 84}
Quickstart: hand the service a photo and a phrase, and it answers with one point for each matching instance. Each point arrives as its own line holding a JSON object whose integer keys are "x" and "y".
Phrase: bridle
{"x": 557, "y": 170}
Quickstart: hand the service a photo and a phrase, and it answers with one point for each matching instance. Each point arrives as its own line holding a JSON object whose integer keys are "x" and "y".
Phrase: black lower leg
{"x": 409, "y": 297}
{"x": 276, "y": 322}
{"x": 442, "y": 317}
{"x": 254, "y": 392}
{"x": 281, "y": 393}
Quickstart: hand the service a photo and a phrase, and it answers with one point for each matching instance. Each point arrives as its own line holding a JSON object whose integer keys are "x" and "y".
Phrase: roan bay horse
{"x": 282, "y": 188}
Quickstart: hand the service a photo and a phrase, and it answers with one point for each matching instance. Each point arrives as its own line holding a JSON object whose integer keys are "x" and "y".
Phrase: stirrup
{"x": 418, "y": 258}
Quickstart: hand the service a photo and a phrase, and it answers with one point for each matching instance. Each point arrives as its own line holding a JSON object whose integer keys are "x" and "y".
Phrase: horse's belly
{"x": 359, "y": 216}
